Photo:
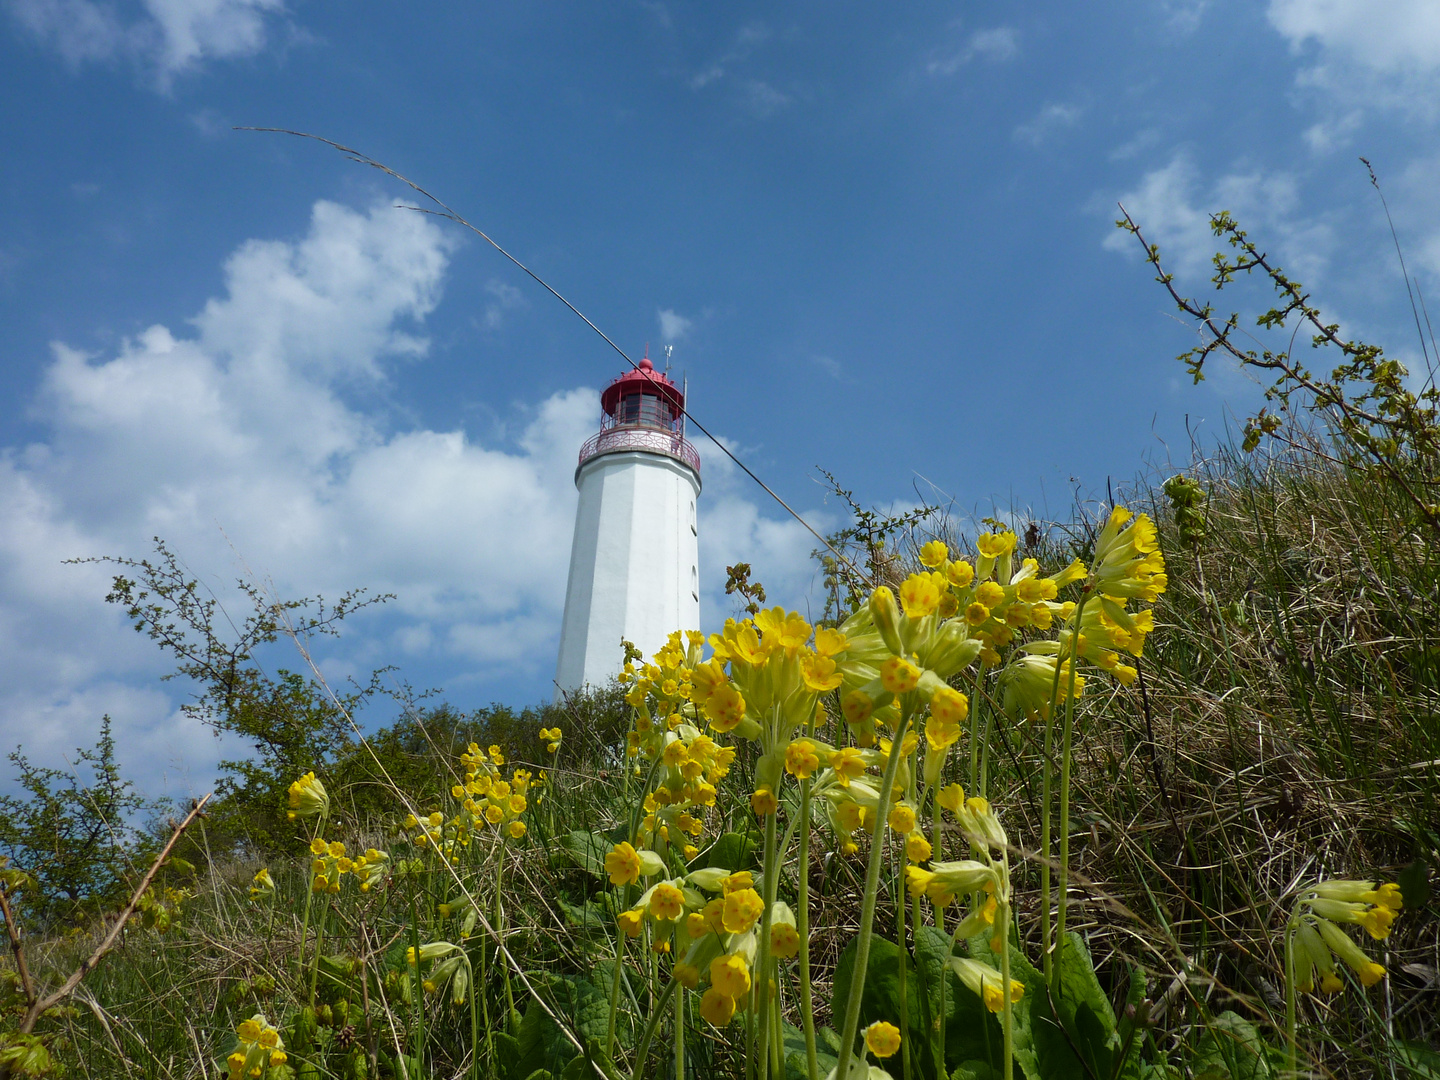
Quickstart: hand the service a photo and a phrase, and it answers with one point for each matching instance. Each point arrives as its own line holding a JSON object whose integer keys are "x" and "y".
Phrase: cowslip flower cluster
{"x": 260, "y": 1048}
{"x": 329, "y": 864}
{"x": 308, "y": 798}
{"x": 551, "y": 738}
{"x": 262, "y": 887}
{"x": 1318, "y": 939}
{"x": 449, "y": 969}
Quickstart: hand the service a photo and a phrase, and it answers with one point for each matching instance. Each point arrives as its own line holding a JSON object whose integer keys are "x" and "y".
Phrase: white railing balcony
{"x": 648, "y": 440}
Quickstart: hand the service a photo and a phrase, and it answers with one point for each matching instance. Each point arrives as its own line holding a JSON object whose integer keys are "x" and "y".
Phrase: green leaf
{"x": 507, "y": 1054}
{"x": 1231, "y": 1049}
{"x": 796, "y": 1059}
{"x": 733, "y": 851}
{"x": 974, "y": 1070}
{"x": 588, "y": 850}
{"x": 1414, "y": 882}
{"x": 1421, "y": 1062}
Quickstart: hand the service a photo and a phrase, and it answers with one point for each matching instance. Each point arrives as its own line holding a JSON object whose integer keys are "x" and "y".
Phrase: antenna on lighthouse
{"x": 668, "y": 350}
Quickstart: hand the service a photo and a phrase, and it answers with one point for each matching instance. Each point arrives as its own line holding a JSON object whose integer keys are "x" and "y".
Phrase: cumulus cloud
{"x": 1172, "y": 205}
{"x": 1050, "y": 120}
{"x": 996, "y": 44}
{"x": 1364, "y": 54}
{"x": 168, "y": 37}
{"x": 504, "y": 298}
{"x": 237, "y": 440}
{"x": 673, "y": 325}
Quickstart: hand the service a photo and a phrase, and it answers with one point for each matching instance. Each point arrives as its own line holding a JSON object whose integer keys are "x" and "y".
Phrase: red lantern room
{"x": 641, "y": 411}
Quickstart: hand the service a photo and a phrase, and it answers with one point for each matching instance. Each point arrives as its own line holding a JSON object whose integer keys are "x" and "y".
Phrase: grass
{"x": 1286, "y": 727}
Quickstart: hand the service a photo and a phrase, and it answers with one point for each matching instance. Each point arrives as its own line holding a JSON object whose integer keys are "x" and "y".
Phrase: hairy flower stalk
{"x": 867, "y": 903}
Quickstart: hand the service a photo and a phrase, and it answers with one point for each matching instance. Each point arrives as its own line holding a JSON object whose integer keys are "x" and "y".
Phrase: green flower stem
{"x": 760, "y": 990}
{"x": 680, "y": 1034}
{"x": 975, "y": 710}
{"x": 1047, "y": 958}
{"x": 309, "y": 896}
{"x": 1291, "y": 1052}
{"x": 500, "y": 937}
{"x": 802, "y": 920}
{"x": 867, "y": 903}
{"x": 615, "y": 984}
{"x": 475, "y": 1024}
{"x": 1007, "y": 1016}
{"x": 417, "y": 990}
{"x": 319, "y": 941}
{"x": 901, "y": 965}
{"x": 655, "y": 1014}
{"x": 1063, "y": 886}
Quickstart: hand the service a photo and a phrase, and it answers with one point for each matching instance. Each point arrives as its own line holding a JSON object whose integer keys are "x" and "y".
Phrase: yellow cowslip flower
{"x": 819, "y": 673}
{"x": 262, "y": 886}
{"x": 882, "y": 1039}
{"x": 857, "y": 707}
{"x": 725, "y": 707}
{"x": 497, "y": 757}
{"x": 436, "y": 819}
{"x": 714, "y": 914}
{"x": 307, "y": 798}
{"x": 977, "y": 614}
{"x": 985, "y": 982}
{"x": 319, "y": 847}
{"x": 689, "y": 851}
{"x": 830, "y": 642}
{"x": 802, "y": 758}
{"x": 917, "y": 848}
{"x": 848, "y": 763}
{"x": 740, "y": 879}
{"x": 1128, "y": 560}
{"x": 622, "y": 863}
{"x": 898, "y": 675}
{"x": 949, "y": 705}
{"x": 696, "y": 926}
{"x": 687, "y": 975}
{"x": 959, "y": 574}
{"x": 920, "y": 595}
{"x": 320, "y": 884}
{"x": 934, "y": 553}
{"x": 337, "y": 849}
{"x": 941, "y": 735}
{"x": 784, "y": 937}
{"x": 951, "y": 797}
{"x": 996, "y": 545}
{"x": 740, "y": 911}
{"x": 730, "y": 975}
{"x": 516, "y": 829}
{"x": 494, "y": 814}
{"x": 764, "y": 802}
{"x": 674, "y": 755}
{"x": 631, "y": 922}
{"x": 717, "y": 1008}
{"x": 902, "y": 818}
{"x": 944, "y": 881}
{"x": 517, "y": 804}
{"x": 666, "y": 902}
{"x": 991, "y": 594}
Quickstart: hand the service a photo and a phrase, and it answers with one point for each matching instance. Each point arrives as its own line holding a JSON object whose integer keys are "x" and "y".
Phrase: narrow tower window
{"x": 694, "y": 583}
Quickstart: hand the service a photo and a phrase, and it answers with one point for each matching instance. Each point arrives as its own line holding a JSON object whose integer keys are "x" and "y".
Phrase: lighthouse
{"x": 634, "y": 561}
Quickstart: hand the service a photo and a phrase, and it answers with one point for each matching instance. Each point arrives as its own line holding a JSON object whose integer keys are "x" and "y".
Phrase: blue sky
{"x": 879, "y": 238}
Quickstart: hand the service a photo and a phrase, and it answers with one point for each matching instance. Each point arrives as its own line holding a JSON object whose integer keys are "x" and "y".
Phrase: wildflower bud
{"x": 952, "y": 650}
{"x": 985, "y": 983}
{"x": 885, "y": 613}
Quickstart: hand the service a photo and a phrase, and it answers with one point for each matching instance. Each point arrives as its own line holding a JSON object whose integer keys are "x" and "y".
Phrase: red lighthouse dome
{"x": 644, "y": 411}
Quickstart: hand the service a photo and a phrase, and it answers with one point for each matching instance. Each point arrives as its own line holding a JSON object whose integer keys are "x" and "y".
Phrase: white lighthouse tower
{"x": 634, "y": 569}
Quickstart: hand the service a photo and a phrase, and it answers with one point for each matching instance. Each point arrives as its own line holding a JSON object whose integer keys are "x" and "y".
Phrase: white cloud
{"x": 1363, "y": 54}
{"x": 507, "y": 298}
{"x": 673, "y": 325}
{"x": 1172, "y": 206}
{"x": 997, "y": 44}
{"x": 1050, "y": 120}
{"x": 169, "y": 38}
{"x": 236, "y": 442}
